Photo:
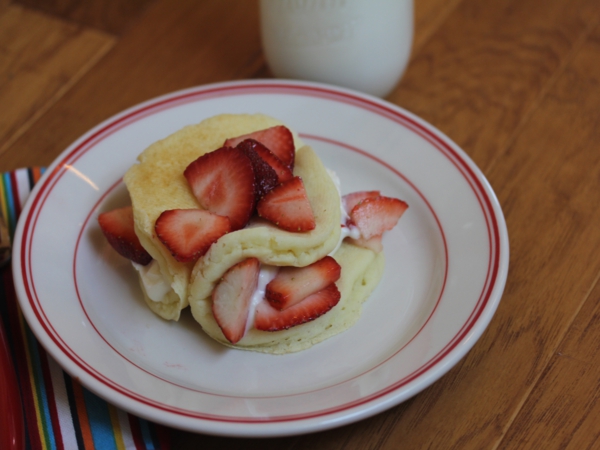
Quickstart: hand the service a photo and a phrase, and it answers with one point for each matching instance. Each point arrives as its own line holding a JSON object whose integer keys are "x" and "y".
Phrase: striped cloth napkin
{"x": 59, "y": 413}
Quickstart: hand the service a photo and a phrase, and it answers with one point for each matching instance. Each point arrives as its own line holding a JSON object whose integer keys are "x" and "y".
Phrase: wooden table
{"x": 516, "y": 83}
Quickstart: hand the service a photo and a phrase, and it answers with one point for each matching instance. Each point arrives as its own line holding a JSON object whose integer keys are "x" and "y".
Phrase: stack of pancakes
{"x": 157, "y": 184}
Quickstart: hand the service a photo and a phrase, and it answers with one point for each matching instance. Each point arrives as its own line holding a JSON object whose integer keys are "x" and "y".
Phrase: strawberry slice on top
{"x": 283, "y": 172}
{"x": 291, "y": 285}
{"x": 288, "y": 207}
{"x": 189, "y": 233}
{"x": 118, "y": 228}
{"x": 265, "y": 177}
{"x": 354, "y": 198}
{"x": 373, "y": 216}
{"x": 278, "y": 139}
{"x": 232, "y": 297}
{"x": 268, "y": 318}
{"x": 223, "y": 182}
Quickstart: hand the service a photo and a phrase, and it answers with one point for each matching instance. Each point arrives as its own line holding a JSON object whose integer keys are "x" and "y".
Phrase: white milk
{"x": 360, "y": 44}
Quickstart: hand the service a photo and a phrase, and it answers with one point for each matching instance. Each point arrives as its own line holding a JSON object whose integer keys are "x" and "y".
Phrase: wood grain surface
{"x": 42, "y": 58}
{"x": 113, "y": 16}
{"x": 516, "y": 83}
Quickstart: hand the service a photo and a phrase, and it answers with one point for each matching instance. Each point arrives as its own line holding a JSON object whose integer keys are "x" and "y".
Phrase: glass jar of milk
{"x": 360, "y": 44}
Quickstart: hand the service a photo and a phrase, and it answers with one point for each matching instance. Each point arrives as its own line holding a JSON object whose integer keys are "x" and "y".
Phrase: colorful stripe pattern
{"x": 59, "y": 413}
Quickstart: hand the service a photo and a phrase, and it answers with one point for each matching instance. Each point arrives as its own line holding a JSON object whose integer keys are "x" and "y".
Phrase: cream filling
{"x": 266, "y": 274}
{"x": 153, "y": 281}
{"x": 347, "y": 231}
{"x": 336, "y": 181}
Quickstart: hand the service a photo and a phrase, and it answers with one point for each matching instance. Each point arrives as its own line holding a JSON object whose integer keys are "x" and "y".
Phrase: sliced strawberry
{"x": 188, "y": 233}
{"x": 117, "y": 225}
{"x": 270, "y": 319}
{"x": 293, "y": 284}
{"x": 265, "y": 177}
{"x": 374, "y": 216}
{"x": 232, "y": 297}
{"x": 284, "y": 173}
{"x": 223, "y": 183}
{"x": 288, "y": 207}
{"x": 354, "y": 198}
{"x": 373, "y": 243}
{"x": 278, "y": 139}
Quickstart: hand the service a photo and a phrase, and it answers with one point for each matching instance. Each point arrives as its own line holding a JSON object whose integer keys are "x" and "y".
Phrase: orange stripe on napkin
{"x": 84, "y": 422}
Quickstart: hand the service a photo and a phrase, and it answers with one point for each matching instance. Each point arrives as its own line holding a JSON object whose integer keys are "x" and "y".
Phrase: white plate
{"x": 447, "y": 262}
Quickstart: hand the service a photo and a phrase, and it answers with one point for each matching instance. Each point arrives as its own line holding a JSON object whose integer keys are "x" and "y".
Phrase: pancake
{"x": 361, "y": 272}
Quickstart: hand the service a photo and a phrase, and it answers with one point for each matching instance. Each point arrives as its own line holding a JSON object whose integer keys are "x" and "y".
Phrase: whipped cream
{"x": 266, "y": 274}
{"x": 154, "y": 283}
{"x": 336, "y": 181}
{"x": 347, "y": 231}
